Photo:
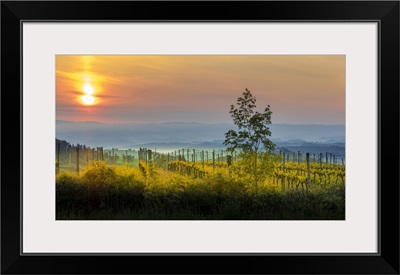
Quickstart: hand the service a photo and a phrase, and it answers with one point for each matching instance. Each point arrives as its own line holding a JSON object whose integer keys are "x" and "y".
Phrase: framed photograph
{"x": 240, "y": 137}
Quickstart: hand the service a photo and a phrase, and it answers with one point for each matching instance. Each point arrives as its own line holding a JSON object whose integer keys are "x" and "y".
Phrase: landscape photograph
{"x": 200, "y": 137}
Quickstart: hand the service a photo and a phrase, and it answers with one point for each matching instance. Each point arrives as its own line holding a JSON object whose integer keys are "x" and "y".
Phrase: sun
{"x": 87, "y": 99}
{"x": 88, "y": 89}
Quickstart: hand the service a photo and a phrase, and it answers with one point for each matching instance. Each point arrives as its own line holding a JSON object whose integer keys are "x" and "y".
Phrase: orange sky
{"x": 200, "y": 88}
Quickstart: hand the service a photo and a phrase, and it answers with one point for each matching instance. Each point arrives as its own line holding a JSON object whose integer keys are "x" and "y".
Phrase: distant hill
{"x": 177, "y": 134}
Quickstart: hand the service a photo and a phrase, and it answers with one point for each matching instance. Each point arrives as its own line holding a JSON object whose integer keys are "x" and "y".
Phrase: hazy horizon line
{"x": 191, "y": 122}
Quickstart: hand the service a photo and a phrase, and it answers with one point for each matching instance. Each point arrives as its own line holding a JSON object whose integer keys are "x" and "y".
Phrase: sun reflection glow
{"x": 87, "y": 99}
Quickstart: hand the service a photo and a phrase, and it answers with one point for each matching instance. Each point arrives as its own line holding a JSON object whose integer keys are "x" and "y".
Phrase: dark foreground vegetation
{"x": 108, "y": 192}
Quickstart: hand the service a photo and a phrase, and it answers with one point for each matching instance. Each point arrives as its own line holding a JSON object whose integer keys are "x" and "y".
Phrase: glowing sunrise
{"x": 200, "y": 137}
{"x": 142, "y": 89}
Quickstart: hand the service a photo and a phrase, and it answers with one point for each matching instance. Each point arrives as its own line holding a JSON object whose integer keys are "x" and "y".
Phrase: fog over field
{"x": 179, "y": 133}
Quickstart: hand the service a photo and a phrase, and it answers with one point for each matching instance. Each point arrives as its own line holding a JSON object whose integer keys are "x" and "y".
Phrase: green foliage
{"x": 255, "y": 167}
{"x": 160, "y": 161}
{"x": 253, "y": 130}
{"x": 98, "y": 187}
{"x": 99, "y": 174}
{"x": 251, "y": 139}
{"x": 148, "y": 171}
{"x": 107, "y": 192}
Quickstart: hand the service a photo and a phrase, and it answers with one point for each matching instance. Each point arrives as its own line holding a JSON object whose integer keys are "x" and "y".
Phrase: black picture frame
{"x": 386, "y": 13}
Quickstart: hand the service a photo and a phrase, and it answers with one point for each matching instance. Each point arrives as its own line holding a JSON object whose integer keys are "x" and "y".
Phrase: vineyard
{"x": 196, "y": 184}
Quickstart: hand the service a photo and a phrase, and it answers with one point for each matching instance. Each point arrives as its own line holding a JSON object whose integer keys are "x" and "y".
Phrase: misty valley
{"x": 186, "y": 180}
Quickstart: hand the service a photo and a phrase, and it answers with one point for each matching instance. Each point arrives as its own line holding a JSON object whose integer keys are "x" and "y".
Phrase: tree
{"x": 251, "y": 139}
{"x": 253, "y": 131}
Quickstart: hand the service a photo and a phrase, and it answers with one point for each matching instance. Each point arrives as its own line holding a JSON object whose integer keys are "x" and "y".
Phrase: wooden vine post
{"x": 87, "y": 155}
{"x": 308, "y": 171}
{"x": 58, "y": 158}
{"x": 77, "y": 159}
{"x": 229, "y": 160}
{"x": 283, "y": 171}
{"x": 213, "y": 159}
{"x": 70, "y": 158}
{"x": 298, "y": 162}
{"x": 167, "y": 161}
{"x": 320, "y": 160}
